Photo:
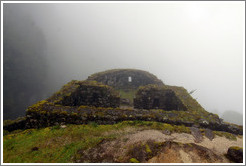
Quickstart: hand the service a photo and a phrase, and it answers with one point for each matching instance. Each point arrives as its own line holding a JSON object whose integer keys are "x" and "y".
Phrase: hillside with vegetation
{"x": 88, "y": 122}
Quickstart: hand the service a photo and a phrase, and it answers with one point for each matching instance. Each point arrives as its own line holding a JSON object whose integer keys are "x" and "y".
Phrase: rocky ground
{"x": 124, "y": 142}
{"x": 154, "y": 146}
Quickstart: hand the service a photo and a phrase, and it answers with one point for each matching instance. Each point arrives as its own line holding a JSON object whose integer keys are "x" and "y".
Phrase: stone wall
{"x": 157, "y": 97}
{"x": 92, "y": 96}
{"x": 125, "y": 78}
{"x": 44, "y": 114}
{"x": 90, "y": 93}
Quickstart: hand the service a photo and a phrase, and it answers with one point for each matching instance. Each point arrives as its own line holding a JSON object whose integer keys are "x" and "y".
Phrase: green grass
{"x": 236, "y": 148}
{"x": 225, "y": 134}
{"x": 133, "y": 160}
{"x": 60, "y": 145}
{"x": 54, "y": 144}
{"x": 127, "y": 94}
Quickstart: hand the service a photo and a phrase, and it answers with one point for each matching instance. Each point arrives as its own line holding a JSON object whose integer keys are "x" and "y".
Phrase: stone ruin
{"x": 125, "y": 78}
{"x": 157, "y": 97}
{"x": 100, "y": 90}
{"x": 80, "y": 102}
{"x": 88, "y": 93}
{"x": 126, "y": 82}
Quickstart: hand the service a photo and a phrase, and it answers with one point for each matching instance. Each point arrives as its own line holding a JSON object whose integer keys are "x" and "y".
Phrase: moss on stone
{"x": 69, "y": 91}
{"x": 236, "y": 148}
{"x": 133, "y": 160}
{"x": 225, "y": 134}
{"x": 182, "y": 129}
{"x": 147, "y": 148}
{"x": 155, "y": 96}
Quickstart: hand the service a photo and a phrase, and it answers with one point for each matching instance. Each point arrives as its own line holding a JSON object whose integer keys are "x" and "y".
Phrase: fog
{"x": 197, "y": 45}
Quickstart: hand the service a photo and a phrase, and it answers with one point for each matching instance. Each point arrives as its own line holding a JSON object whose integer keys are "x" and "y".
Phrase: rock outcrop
{"x": 196, "y": 134}
{"x": 151, "y": 146}
{"x": 235, "y": 154}
{"x": 209, "y": 134}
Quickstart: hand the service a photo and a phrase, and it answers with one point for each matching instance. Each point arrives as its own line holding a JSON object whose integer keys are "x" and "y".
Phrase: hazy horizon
{"x": 196, "y": 45}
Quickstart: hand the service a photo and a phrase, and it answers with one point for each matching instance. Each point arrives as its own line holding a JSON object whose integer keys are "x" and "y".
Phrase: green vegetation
{"x": 147, "y": 148}
{"x": 57, "y": 144}
{"x": 133, "y": 160}
{"x": 73, "y": 85}
{"x": 129, "y": 94}
{"x": 194, "y": 113}
{"x": 49, "y": 111}
{"x": 9, "y": 122}
{"x": 182, "y": 94}
{"x": 192, "y": 105}
{"x": 53, "y": 106}
{"x": 52, "y": 144}
{"x": 236, "y": 148}
{"x": 225, "y": 134}
{"x": 117, "y": 71}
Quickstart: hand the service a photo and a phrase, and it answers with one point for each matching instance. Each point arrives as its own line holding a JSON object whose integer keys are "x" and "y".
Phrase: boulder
{"x": 196, "y": 134}
{"x": 209, "y": 134}
{"x": 167, "y": 132}
{"x": 235, "y": 154}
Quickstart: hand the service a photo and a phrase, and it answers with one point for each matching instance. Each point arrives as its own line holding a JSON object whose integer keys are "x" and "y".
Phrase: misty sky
{"x": 197, "y": 45}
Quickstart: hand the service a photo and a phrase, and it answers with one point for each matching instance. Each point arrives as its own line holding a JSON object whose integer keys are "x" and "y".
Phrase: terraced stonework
{"x": 157, "y": 97}
{"x": 81, "y": 102}
{"x": 88, "y": 93}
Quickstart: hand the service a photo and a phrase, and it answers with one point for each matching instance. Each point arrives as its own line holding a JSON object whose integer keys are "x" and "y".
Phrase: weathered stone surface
{"x": 235, "y": 154}
{"x": 147, "y": 152}
{"x": 125, "y": 78}
{"x": 44, "y": 114}
{"x": 209, "y": 134}
{"x": 167, "y": 132}
{"x": 174, "y": 152}
{"x": 157, "y": 97}
{"x": 196, "y": 134}
{"x": 91, "y": 93}
{"x": 124, "y": 101}
{"x": 224, "y": 126}
{"x": 203, "y": 122}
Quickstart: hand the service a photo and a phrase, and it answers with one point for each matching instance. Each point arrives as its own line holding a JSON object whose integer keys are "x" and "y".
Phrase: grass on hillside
{"x": 54, "y": 144}
{"x": 60, "y": 145}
